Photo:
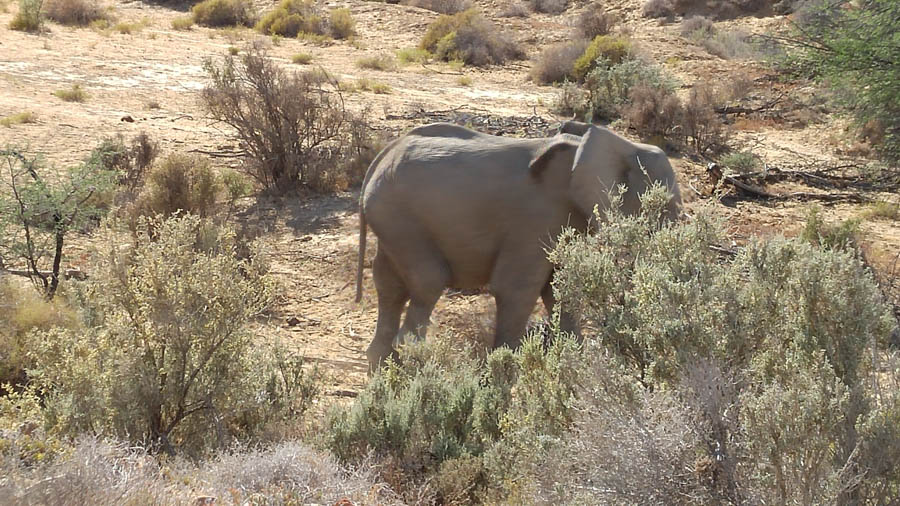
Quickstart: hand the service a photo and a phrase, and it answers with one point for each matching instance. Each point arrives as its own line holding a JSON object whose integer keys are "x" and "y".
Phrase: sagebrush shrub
{"x": 759, "y": 369}
{"x": 441, "y": 6}
{"x": 130, "y": 162}
{"x": 74, "y": 12}
{"x": 469, "y": 37}
{"x": 29, "y": 17}
{"x": 292, "y": 17}
{"x": 294, "y": 125}
{"x": 179, "y": 183}
{"x": 217, "y": 13}
{"x": 609, "y": 85}
{"x": 166, "y": 357}
{"x": 548, "y": 6}
{"x": 341, "y": 23}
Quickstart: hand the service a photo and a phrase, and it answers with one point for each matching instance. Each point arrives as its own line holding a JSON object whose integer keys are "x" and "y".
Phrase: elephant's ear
{"x": 597, "y": 170}
{"x": 546, "y": 156}
{"x": 574, "y": 127}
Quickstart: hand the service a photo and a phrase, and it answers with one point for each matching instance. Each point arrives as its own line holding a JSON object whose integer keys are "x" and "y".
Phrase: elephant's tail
{"x": 362, "y": 253}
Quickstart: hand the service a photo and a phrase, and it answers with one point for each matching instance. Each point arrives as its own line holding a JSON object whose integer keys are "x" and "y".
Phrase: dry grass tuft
{"x": 18, "y": 118}
{"x": 74, "y": 12}
{"x": 74, "y": 94}
{"x": 216, "y": 13}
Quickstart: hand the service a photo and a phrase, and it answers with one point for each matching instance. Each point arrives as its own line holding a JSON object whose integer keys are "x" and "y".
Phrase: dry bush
{"x": 108, "y": 473}
{"x": 216, "y": 13}
{"x": 74, "y": 94}
{"x": 548, "y": 6}
{"x": 609, "y": 85}
{"x": 515, "y": 10}
{"x": 180, "y": 183}
{"x": 653, "y": 111}
{"x": 182, "y": 23}
{"x": 594, "y": 21}
{"x": 697, "y": 27}
{"x": 130, "y": 162}
{"x": 18, "y": 119}
{"x": 441, "y": 6}
{"x": 384, "y": 62}
{"x": 469, "y": 37}
{"x": 658, "y": 8}
{"x": 556, "y": 63}
{"x": 701, "y": 126}
{"x": 341, "y": 24}
{"x": 74, "y": 12}
{"x": 294, "y": 125}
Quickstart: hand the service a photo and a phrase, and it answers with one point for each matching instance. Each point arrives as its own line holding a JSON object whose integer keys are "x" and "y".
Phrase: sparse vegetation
{"x": 740, "y": 161}
{"x": 74, "y": 12}
{"x": 29, "y": 18}
{"x": 292, "y": 17}
{"x": 302, "y": 58}
{"x": 515, "y": 9}
{"x": 180, "y": 183}
{"x": 129, "y": 162}
{"x": 379, "y": 88}
{"x": 594, "y": 21}
{"x": 548, "y": 6}
{"x": 884, "y": 210}
{"x": 18, "y": 119}
{"x": 341, "y": 23}
{"x": 218, "y": 13}
{"x": 441, "y": 6}
{"x": 182, "y": 23}
{"x": 413, "y": 55}
{"x": 464, "y": 81}
{"x": 126, "y": 28}
{"x": 294, "y": 132}
{"x": 470, "y": 38}
{"x": 382, "y": 62}
{"x": 74, "y": 94}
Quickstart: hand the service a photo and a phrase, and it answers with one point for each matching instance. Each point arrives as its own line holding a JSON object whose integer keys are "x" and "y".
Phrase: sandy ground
{"x": 152, "y": 77}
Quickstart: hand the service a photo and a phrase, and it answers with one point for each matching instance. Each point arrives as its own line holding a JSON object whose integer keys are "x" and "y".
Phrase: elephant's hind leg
{"x": 568, "y": 322}
{"x": 392, "y": 295}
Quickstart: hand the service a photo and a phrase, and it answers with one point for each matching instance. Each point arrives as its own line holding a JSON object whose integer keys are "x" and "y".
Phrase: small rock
{"x": 128, "y": 119}
{"x": 293, "y": 321}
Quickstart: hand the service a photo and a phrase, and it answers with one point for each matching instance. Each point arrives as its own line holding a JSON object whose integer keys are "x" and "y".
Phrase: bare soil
{"x": 147, "y": 81}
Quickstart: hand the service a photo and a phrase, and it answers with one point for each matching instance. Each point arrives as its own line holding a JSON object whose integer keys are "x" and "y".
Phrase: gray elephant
{"x": 452, "y": 207}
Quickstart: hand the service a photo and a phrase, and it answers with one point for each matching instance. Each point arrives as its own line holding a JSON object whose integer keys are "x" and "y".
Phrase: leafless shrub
{"x": 515, "y": 10}
{"x": 548, "y": 6}
{"x": 557, "y": 62}
{"x": 293, "y": 125}
{"x": 697, "y": 25}
{"x": 74, "y": 12}
{"x": 652, "y": 111}
{"x": 658, "y": 9}
{"x": 594, "y": 21}
{"x": 442, "y": 6}
{"x": 131, "y": 162}
{"x": 701, "y": 126}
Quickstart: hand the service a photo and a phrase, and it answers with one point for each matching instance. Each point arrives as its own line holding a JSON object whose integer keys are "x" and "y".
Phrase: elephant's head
{"x": 604, "y": 160}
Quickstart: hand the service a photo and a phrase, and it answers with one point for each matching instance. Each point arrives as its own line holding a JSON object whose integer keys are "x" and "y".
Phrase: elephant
{"x": 452, "y": 207}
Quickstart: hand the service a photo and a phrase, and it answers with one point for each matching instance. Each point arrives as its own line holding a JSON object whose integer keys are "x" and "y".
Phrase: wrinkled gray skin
{"x": 452, "y": 207}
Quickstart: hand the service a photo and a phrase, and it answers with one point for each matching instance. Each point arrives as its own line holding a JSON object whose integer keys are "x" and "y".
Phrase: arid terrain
{"x": 148, "y": 81}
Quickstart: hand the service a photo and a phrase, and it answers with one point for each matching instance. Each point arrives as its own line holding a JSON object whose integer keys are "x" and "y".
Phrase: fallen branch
{"x": 719, "y": 177}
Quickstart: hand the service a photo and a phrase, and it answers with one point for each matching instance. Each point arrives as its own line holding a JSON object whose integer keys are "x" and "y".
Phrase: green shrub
{"x": 413, "y": 55}
{"x": 470, "y": 38}
{"x": 74, "y": 94}
{"x": 167, "y": 357}
{"x": 440, "y": 413}
{"x": 883, "y": 209}
{"x": 302, "y": 58}
{"x": 341, "y": 23}
{"x": 853, "y": 50}
{"x": 292, "y": 17}
{"x": 841, "y": 236}
{"x": 182, "y": 23}
{"x": 383, "y": 62}
{"x": 74, "y": 12}
{"x": 215, "y": 13}
{"x": 608, "y": 49}
{"x": 18, "y": 118}
{"x": 609, "y": 84}
{"x": 740, "y": 161}
{"x": 185, "y": 183}
{"x": 746, "y": 377}
{"x": 29, "y": 17}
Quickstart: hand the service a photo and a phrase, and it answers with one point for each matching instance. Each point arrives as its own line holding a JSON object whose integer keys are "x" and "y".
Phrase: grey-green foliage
{"x": 38, "y": 210}
{"x": 167, "y": 357}
{"x": 791, "y": 330}
{"x": 609, "y": 84}
{"x": 446, "y": 412}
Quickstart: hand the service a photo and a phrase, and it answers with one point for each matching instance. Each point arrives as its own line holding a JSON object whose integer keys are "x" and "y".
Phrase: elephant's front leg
{"x": 568, "y": 322}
